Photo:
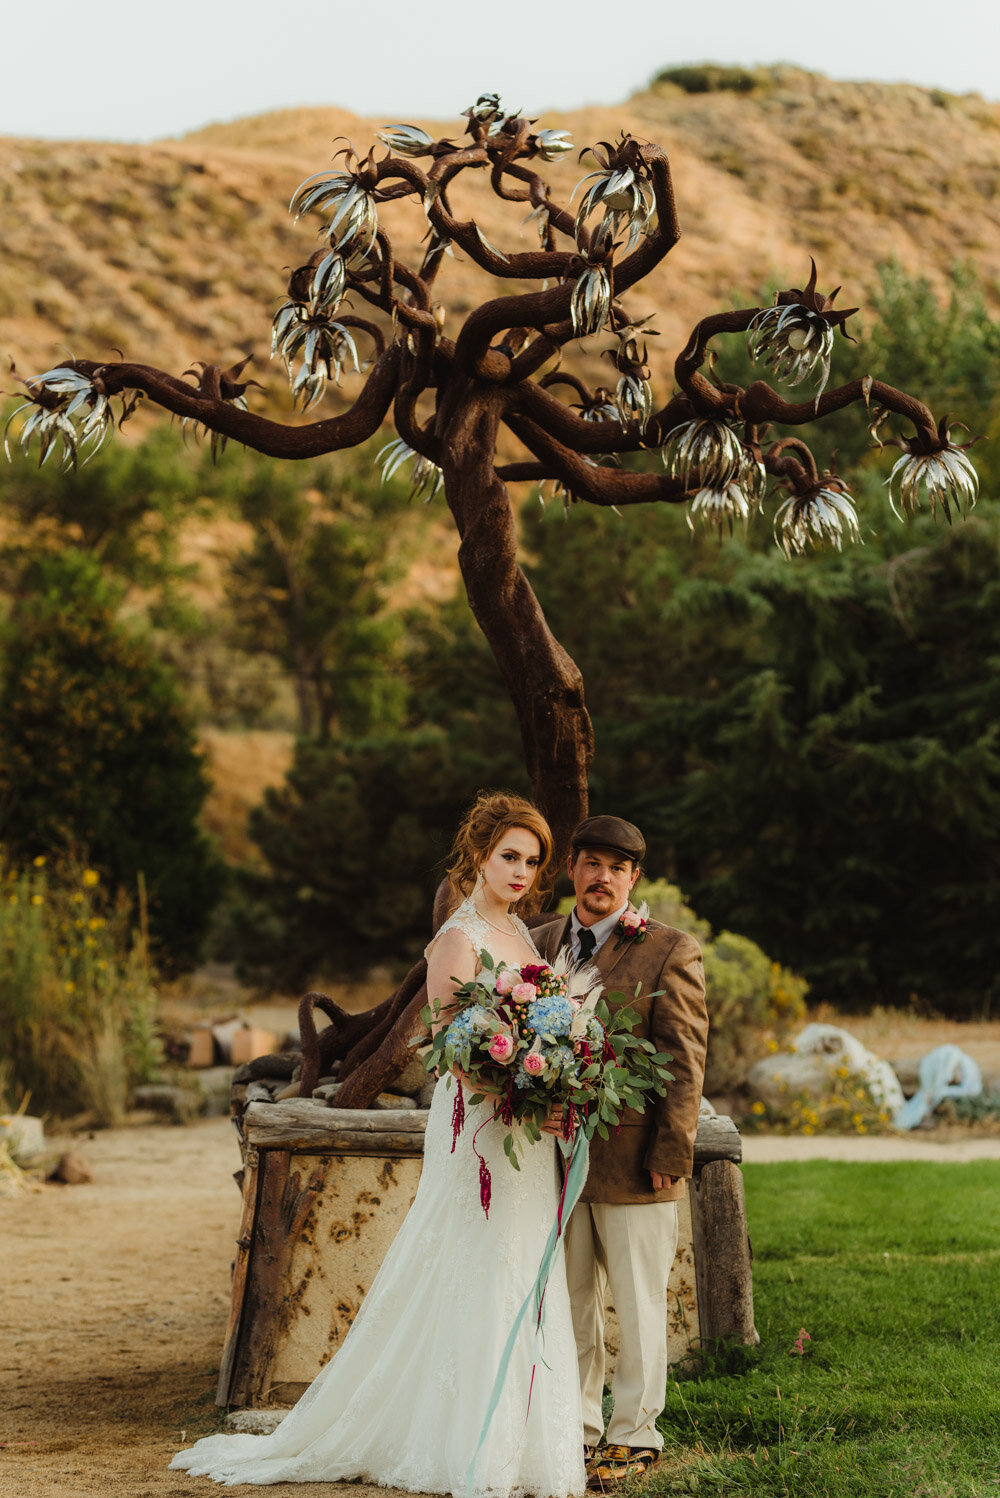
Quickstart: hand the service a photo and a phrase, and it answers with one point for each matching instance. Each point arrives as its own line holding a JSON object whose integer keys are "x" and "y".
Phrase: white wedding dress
{"x": 403, "y": 1401}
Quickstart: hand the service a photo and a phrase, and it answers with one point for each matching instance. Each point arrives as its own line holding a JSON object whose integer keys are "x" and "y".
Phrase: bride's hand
{"x": 554, "y": 1122}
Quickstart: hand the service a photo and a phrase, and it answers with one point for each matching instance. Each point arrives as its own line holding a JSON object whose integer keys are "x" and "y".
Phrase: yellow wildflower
{"x": 39, "y": 862}
{"x": 37, "y": 900}
{"x": 95, "y": 923}
{"x": 91, "y": 877}
{"x": 70, "y": 986}
{"x": 758, "y": 1108}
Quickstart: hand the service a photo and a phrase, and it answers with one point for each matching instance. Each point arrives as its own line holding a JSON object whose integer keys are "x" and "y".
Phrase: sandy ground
{"x": 116, "y": 1293}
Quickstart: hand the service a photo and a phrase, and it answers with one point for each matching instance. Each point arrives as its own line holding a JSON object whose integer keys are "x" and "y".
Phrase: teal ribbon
{"x": 576, "y": 1174}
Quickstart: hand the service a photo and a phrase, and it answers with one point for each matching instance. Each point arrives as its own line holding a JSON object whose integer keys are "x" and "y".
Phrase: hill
{"x": 178, "y": 251}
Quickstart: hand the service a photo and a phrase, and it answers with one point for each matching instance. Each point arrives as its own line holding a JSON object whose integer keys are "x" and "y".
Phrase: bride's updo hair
{"x": 491, "y": 816}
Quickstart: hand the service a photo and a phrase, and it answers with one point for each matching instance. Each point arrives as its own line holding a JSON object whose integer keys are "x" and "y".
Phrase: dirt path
{"x": 115, "y": 1300}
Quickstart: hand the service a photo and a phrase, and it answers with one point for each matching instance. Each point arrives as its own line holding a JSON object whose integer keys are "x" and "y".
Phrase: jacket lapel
{"x": 608, "y": 958}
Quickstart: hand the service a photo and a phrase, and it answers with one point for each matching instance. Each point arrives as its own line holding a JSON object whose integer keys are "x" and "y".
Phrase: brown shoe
{"x": 616, "y": 1464}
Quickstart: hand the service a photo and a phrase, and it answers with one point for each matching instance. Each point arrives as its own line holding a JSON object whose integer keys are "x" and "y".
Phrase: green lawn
{"x": 894, "y": 1271}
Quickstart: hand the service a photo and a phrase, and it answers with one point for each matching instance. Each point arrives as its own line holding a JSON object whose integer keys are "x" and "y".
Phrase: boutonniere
{"x": 632, "y": 925}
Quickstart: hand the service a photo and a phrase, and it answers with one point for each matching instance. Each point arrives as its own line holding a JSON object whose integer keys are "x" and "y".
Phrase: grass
{"x": 892, "y": 1270}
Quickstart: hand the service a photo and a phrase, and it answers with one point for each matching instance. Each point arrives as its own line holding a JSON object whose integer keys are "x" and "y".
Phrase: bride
{"x": 404, "y": 1400}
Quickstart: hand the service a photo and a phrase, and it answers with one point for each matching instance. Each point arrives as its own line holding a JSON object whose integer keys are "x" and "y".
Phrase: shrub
{"x": 77, "y": 1003}
{"x": 711, "y": 78}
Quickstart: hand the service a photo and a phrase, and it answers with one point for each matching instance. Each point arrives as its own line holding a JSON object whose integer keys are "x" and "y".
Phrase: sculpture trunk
{"x": 544, "y": 682}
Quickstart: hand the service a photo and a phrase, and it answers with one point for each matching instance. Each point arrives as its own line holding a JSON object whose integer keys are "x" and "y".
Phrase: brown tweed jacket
{"x": 662, "y": 1137}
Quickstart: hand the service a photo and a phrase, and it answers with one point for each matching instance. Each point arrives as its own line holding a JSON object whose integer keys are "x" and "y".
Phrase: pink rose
{"x": 502, "y": 1048}
{"x": 534, "y": 1063}
{"x": 506, "y": 978}
{"x": 523, "y": 993}
{"x": 631, "y": 920}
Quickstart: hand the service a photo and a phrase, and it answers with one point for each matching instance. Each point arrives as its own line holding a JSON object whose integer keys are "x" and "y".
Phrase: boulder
{"x": 24, "y": 1135}
{"x": 411, "y": 1079}
{"x": 393, "y": 1100}
{"x": 178, "y": 1105}
{"x": 73, "y": 1169}
{"x": 810, "y": 1068}
{"x": 252, "y": 1422}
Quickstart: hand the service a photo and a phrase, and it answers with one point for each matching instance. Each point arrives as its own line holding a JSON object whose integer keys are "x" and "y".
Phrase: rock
{"x": 810, "y": 1069}
{"x": 73, "y": 1169}
{"x": 411, "y": 1079}
{"x": 908, "y": 1075}
{"x": 326, "y": 1090}
{"x": 252, "y": 1422}
{"x": 177, "y": 1104}
{"x": 706, "y": 1109}
{"x": 259, "y": 1092}
{"x": 24, "y": 1134}
{"x": 216, "y": 1085}
{"x": 426, "y": 1096}
{"x": 391, "y": 1100}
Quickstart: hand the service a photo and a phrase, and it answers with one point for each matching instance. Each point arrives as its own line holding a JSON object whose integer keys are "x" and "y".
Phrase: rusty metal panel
{"x": 336, "y": 1254}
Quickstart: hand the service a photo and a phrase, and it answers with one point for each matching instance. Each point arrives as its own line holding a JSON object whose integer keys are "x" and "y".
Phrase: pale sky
{"x": 120, "y": 71}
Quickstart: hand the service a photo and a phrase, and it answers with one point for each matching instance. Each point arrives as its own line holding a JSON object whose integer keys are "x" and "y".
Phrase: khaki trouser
{"x": 630, "y": 1248}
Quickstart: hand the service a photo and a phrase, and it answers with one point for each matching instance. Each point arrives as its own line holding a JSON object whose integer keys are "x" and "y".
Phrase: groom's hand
{"x": 662, "y": 1183}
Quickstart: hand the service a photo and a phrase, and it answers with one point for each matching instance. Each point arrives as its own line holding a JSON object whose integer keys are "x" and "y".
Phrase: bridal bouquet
{"x": 539, "y": 1039}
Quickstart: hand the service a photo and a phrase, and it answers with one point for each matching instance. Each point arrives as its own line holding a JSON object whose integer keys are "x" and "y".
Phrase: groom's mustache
{"x": 598, "y": 889}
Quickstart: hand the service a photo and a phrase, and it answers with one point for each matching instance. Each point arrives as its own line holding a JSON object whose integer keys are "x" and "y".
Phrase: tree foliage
{"x": 97, "y": 753}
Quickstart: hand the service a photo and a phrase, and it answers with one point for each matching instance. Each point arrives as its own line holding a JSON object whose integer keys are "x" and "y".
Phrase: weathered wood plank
{"x": 722, "y": 1255}
{"x": 302, "y": 1124}
{"x": 299, "y": 1123}
{"x": 244, "y": 1241}
{"x": 718, "y": 1138}
{"x": 283, "y": 1204}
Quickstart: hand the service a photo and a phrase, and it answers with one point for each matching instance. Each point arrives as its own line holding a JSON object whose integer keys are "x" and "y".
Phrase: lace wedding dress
{"x": 403, "y": 1401}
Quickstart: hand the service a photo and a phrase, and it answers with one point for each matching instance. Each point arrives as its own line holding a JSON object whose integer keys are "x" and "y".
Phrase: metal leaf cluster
{"x": 623, "y": 195}
{"x": 353, "y": 221}
{"x": 824, "y": 515}
{"x": 67, "y": 410}
{"x": 591, "y": 301}
{"x": 794, "y": 342}
{"x": 946, "y": 477}
{"x": 425, "y": 477}
{"x": 704, "y": 454}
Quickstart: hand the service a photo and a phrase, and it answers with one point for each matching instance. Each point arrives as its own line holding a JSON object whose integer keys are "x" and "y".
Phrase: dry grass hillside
{"x": 179, "y": 251}
{"x": 175, "y": 251}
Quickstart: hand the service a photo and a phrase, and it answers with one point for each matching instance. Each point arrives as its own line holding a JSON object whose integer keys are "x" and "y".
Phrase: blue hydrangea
{"x": 522, "y": 1079}
{"x": 595, "y": 1032}
{"x": 467, "y": 1025}
{"x": 551, "y": 1016}
{"x": 561, "y": 1058}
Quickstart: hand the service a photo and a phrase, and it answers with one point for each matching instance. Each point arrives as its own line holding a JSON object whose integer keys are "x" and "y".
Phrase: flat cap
{"x": 610, "y": 832}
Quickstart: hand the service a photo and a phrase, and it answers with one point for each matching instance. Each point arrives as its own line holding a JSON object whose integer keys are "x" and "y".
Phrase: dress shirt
{"x": 602, "y": 930}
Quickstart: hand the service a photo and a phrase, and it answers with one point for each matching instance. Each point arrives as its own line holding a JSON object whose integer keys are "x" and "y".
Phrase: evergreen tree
{"x": 97, "y": 754}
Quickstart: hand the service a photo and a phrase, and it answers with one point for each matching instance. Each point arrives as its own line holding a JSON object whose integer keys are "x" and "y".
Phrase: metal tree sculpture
{"x": 450, "y": 398}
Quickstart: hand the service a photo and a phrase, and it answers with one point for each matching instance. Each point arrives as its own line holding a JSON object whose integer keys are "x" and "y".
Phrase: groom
{"x": 623, "y": 1232}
